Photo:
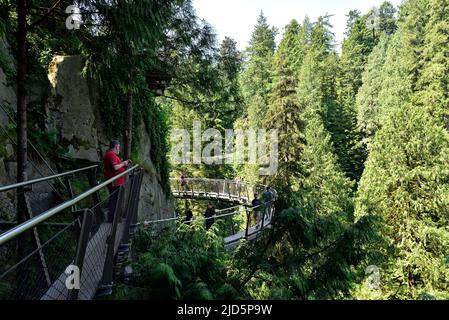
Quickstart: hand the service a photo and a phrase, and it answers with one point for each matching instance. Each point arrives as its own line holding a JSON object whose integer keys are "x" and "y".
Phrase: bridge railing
{"x": 213, "y": 189}
{"x": 233, "y": 191}
{"x": 21, "y": 201}
{"x": 72, "y": 243}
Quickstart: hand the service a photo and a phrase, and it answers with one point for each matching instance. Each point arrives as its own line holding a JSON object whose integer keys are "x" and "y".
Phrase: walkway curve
{"x": 232, "y": 191}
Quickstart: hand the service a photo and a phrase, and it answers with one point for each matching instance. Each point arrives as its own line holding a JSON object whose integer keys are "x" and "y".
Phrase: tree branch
{"x": 256, "y": 265}
{"x": 46, "y": 14}
{"x": 189, "y": 102}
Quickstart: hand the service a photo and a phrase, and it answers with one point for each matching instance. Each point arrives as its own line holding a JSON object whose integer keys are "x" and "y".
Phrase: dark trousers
{"x": 189, "y": 218}
{"x": 209, "y": 221}
{"x": 113, "y": 197}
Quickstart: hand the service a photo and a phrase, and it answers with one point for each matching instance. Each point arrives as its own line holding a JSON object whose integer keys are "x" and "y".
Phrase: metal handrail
{"x": 43, "y": 179}
{"x": 27, "y": 225}
{"x": 191, "y": 181}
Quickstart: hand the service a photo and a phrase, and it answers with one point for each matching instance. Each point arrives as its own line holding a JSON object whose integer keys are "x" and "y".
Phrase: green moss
{"x": 3, "y": 142}
{"x": 156, "y": 124}
{"x": 7, "y": 65}
{"x": 112, "y": 100}
{"x": 5, "y": 291}
{"x": 46, "y": 142}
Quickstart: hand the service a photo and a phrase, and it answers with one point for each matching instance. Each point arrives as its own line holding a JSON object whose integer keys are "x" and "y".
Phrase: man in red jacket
{"x": 112, "y": 167}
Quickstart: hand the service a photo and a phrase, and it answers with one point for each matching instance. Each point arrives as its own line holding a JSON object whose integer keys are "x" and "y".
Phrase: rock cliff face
{"x": 72, "y": 112}
{"x": 69, "y": 109}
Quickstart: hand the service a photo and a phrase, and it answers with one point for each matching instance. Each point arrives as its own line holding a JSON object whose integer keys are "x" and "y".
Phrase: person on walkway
{"x": 257, "y": 208}
{"x": 113, "y": 166}
{"x": 209, "y": 214}
{"x": 189, "y": 216}
{"x": 268, "y": 198}
{"x": 183, "y": 182}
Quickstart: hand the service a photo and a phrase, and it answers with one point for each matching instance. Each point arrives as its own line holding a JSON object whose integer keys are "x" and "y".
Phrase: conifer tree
{"x": 323, "y": 187}
{"x": 405, "y": 180}
{"x": 355, "y": 49}
{"x": 405, "y": 184}
{"x": 432, "y": 87}
{"x": 284, "y": 112}
{"x": 360, "y": 41}
{"x": 256, "y": 83}
{"x": 367, "y": 102}
{"x": 257, "y": 76}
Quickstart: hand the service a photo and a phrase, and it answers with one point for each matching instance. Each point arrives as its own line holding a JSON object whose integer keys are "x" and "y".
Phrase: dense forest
{"x": 363, "y": 177}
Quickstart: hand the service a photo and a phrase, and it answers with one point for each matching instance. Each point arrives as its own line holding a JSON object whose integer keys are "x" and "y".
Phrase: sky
{"x": 237, "y": 18}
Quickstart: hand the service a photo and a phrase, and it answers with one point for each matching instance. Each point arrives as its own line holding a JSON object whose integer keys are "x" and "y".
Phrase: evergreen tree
{"x": 323, "y": 187}
{"x": 367, "y": 102}
{"x": 256, "y": 83}
{"x": 257, "y": 76}
{"x": 405, "y": 180}
{"x": 403, "y": 64}
{"x": 356, "y": 48}
{"x": 205, "y": 86}
{"x": 405, "y": 183}
{"x": 387, "y": 18}
{"x": 230, "y": 106}
{"x": 284, "y": 113}
{"x": 315, "y": 242}
{"x": 432, "y": 87}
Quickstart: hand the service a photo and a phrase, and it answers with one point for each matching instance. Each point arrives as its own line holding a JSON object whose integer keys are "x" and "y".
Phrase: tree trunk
{"x": 128, "y": 126}
{"x": 23, "y": 240}
{"x": 21, "y": 93}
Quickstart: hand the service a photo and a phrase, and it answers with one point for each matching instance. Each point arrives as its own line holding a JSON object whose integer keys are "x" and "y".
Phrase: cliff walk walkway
{"x": 65, "y": 248}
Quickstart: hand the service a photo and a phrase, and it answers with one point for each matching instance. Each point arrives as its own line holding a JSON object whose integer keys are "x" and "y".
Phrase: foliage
{"x": 405, "y": 180}
{"x": 284, "y": 110}
{"x": 356, "y": 49}
{"x": 405, "y": 183}
{"x": 206, "y": 86}
{"x": 368, "y": 108}
{"x": 187, "y": 263}
{"x": 257, "y": 76}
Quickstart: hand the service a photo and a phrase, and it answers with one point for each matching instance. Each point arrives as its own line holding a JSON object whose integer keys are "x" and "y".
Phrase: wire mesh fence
{"x": 33, "y": 268}
{"x": 39, "y": 262}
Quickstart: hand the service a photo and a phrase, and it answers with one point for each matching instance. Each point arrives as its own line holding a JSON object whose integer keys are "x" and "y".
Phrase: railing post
{"x": 105, "y": 287}
{"x": 81, "y": 247}
{"x": 248, "y": 222}
{"x": 206, "y": 192}
{"x": 232, "y": 223}
{"x": 124, "y": 244}
{"x": 239, "y": 189}
{"x": 263, "y": 216}
{"x": 218, "y": 189}
{"x": 135, "y": 208}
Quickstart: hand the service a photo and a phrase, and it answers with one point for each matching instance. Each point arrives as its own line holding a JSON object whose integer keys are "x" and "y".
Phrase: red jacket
{"x": 110, "y": 160}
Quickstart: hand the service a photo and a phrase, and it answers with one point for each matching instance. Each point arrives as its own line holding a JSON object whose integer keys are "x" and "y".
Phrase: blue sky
{"x": 236, "y": 18}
